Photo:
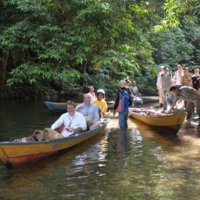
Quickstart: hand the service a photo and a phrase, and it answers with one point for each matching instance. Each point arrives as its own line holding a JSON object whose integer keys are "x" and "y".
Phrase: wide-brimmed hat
{"x": 123, "y": 84}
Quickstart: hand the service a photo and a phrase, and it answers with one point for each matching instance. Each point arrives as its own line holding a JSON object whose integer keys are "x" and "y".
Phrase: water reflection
{"x": 138, "y": 163}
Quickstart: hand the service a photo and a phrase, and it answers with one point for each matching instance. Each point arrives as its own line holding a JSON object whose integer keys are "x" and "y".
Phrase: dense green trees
{"x": 63, "y": 46}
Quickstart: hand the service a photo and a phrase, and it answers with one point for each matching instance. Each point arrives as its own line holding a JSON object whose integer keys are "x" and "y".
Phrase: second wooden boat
{"x": 165, "y": 122}
{"x": 55, "y": 106}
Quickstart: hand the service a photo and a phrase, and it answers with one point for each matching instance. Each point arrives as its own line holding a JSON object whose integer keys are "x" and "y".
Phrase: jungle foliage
{"x": 58, "y": 48}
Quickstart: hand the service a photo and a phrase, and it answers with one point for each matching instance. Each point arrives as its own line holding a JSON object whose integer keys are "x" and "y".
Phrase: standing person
{"x": 72, "y": 121}
{"x": 158, "y": 85}
{"x": 196, "y": 79}
{"x": 187, "y": 77}
{"x": 92, "y": 93}
{"x": 177, "y": 79}
{"x": 121, "y": 105}
{"x": 100, "y": 101}
{"x": 190, "y": 95}
{"x": 186, "y": 80}
{"x": 166, "y": 83}
{"x": 90, "y": 112}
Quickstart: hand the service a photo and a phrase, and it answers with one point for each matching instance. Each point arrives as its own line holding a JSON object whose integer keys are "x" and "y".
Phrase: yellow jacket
{"x": 102, "y": 105}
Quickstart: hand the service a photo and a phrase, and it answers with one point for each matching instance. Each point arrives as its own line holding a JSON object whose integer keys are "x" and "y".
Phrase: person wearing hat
{"x": 100, "y": 101}
{"x": 158, "y": 85}
{"x": 166, "y": 83}
{"x": 122, "y": 103}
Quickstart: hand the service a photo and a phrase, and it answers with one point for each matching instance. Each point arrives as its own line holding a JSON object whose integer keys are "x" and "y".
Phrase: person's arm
{"x": 82, "y": 122}
{"x": 58, "y": 123}
{"x": 196, "y": 93}
{"x": 172, "y": 105}
{"x": 171, "y": 108}
{"x": 104, "y": 108}
{"x": 158, "y": 82}
{"x": 78, "y": 107}
{"x": 96, "y": 115}
{"x": 116, "y": 102}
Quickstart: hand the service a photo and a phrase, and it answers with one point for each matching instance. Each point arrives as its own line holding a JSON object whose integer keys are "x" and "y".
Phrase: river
{"x": 137, "y": 164}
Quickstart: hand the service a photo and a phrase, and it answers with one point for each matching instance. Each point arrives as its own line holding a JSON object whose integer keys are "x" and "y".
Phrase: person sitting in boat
{"x": 90, "y": 112}
{"x": 188, "y": 94}
{"x": 72, "y": 121}
{"x": 100, "y": 102}
{"x": 135, "y": 94}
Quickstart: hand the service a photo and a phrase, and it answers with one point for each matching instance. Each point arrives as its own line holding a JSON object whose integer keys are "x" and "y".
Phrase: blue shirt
{"x": 124, "y": 96}
{"x": 89, "y": 111}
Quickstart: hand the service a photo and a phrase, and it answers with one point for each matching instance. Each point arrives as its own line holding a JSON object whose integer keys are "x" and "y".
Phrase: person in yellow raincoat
{"x": 100, "y": 101}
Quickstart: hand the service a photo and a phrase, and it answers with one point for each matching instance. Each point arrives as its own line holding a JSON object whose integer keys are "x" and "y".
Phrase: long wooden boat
{"x": 57, "y": 107}
{"x": 14, "y": 154}
{"x": 166, "y": 122}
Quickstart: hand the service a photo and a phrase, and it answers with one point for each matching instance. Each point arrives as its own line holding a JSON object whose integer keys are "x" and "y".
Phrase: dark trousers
{"x": 190, "y": 108}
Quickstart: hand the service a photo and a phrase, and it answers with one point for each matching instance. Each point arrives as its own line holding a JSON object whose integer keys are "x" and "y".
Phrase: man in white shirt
{"x": 159, "y": 86}
{"x": 166, "y": 83}
{"x": 72, "y": 121}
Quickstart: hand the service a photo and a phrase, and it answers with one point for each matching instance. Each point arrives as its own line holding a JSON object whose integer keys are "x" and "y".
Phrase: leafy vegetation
{"x": 64, "y": 46}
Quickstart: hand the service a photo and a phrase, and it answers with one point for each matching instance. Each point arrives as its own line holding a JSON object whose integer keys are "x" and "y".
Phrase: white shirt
{"x": 178, "y": 77}
{"x": 75, "y": 121}
{"x": 159, "y": 82}
{"x": 92, "y": 96}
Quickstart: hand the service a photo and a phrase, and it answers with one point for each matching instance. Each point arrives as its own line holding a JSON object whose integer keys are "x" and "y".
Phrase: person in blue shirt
{"x": 90, "y": 111}
{"x": 122, "y": 103}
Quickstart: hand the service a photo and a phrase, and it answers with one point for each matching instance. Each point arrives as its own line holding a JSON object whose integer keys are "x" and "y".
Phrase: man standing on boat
{"x": 190, "y": 95}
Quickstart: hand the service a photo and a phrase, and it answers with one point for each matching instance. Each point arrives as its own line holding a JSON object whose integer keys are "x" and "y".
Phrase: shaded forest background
{"x": 56, "y": 48}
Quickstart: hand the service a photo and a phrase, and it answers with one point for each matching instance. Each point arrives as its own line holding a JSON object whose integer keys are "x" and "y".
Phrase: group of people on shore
{"x": 181, "y": 86}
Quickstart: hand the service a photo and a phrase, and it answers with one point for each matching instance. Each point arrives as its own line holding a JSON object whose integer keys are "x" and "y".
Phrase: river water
{"x": 137, "y": 164}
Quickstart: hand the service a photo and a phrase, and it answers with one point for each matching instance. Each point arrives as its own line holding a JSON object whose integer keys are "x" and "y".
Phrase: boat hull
{"x": 165, "y": 123}
{"x": 14, "y": 154}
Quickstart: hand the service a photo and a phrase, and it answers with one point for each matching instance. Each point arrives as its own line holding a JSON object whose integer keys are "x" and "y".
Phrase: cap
{"x": 101, "y": 91}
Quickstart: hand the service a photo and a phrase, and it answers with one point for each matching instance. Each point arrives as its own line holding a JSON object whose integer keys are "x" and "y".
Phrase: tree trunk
{"x": 3, "y": 67}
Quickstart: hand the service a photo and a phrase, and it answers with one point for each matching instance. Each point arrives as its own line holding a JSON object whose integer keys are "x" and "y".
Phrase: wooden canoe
{"x": 14, "y": 154}
{"x": 55, "y": 106}
{"x": 61, "y": 107}
{"x": 165, "y": 122}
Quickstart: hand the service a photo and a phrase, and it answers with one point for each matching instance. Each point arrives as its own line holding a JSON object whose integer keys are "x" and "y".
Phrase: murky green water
{"x": 137, "y": 164}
